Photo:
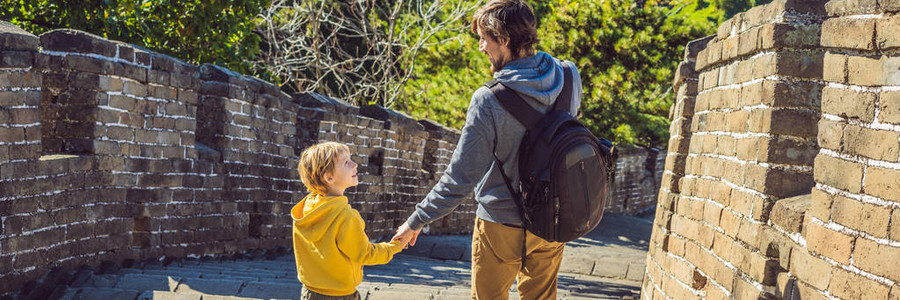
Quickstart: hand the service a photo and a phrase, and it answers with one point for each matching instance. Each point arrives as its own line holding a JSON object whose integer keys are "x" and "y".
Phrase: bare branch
{"x": 359, "y": 51}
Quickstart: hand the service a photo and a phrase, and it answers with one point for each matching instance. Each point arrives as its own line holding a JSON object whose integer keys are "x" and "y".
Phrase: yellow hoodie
{"x": 331, "y": 246}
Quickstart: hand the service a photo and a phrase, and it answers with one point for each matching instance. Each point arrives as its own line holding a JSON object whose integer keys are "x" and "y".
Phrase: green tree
{"x": 627, "y": 55}
{"x": 198, "y": 31}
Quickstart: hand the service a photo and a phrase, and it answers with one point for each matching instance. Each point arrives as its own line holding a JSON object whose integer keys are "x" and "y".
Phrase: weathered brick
{"x": 864, "y": 71}
{"x": 17, "y": 59}
{"x": 781, "y": 35}
{"x": 849, "y": 33}
{"x": 134, "y": 88}
{"x": 831, "y": 134}
{"x": 785, "y": 150}
{"x": 793, "y": 122}
{"x": 830, "y": 243}
{"x": 760, "y": 120}
{"x": 850, "y": 7}
{"x": 789, "y": 213}
{"x": 835, "y": 67}
{"x": 883, "y": 183}
{"x": 24, "y": 115}
{"x": 783, "y": 183}
{"x": 730, "y": 48}
{"x": 838, "y": 173}
{"x": 11, "y": 135}
{"x": 848, "y": 103}
{"x": 879, "y": 259}
{"x": 890, "y": 6}
{"x": 869, "y": 218}
{"x": 890, "y": 69}
{"x": 847, "y": 285}
{"x": 810, "y": 269}
{"x": 713, "y": 52}
{"x": 77, "y": 41}
{"x": 890, "y": 107}
{"x": 820, "y": 207}
{"x": 888, "y": 32}
{"x": 895, "y": 225}
{"x": 748, "y": 41}
{"x": 872, "y": 143}
{"x": 745, "y": 290}
{"x": 721, "y": 193}
{"x": 800, "y": 64}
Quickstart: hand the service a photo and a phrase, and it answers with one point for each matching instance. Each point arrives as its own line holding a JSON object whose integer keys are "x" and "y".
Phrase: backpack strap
{"x": 521, "y": 110}
{"x": 564, "y": 100}
{"x": 515, "y": 105}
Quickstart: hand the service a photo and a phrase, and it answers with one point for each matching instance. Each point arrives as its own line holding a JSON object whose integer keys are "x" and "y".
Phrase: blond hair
{"x": 317, "y": 160}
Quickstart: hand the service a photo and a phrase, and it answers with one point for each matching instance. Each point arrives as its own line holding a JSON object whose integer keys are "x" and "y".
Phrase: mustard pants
{"x": 497, "y": 262}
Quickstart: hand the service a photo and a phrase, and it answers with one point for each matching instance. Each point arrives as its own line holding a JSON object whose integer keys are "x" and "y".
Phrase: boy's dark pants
{"x": 310, "y": 295}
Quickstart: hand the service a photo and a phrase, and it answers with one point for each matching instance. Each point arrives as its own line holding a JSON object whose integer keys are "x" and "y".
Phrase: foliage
{"x": 445, "y": 79}
{"x": 732, "y": 7}
{"x": 626, "y": 55}
{"x": 197, "y": 31}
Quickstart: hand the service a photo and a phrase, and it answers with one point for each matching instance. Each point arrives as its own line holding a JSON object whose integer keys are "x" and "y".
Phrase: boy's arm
{"x": 354, "y": 243}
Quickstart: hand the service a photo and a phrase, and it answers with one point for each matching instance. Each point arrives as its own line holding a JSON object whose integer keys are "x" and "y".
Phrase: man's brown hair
{"x": 512, "y": 20}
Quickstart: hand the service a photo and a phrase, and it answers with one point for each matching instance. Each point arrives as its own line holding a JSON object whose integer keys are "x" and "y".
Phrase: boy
{"x": 330, "y": 244}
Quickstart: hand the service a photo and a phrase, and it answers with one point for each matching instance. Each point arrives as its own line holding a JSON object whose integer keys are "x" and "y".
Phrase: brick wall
{"x": 853, "y": 224}
{"x": 785, "y": 184}
{"x": 109, "y": 152}
{"x": 637, "y": 179}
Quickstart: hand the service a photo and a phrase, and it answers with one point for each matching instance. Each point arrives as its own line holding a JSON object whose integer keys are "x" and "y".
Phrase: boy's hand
{"x": 406, "y": 235}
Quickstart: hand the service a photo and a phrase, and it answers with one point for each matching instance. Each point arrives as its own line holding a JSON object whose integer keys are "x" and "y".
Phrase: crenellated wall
{"x": 113, "y": 153}
{"x": 109, "y": 152}
{"x": 786, "y": 183}
{"x": 637, "y": 179}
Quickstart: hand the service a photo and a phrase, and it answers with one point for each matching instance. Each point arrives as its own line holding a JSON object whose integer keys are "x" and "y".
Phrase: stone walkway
{"x": 606, "y": 264}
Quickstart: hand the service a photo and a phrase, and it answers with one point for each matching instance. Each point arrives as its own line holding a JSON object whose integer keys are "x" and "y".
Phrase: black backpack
{"x": 564, "y": 170}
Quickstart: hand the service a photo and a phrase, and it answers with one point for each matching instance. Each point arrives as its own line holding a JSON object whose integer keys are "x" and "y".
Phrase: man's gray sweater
{"x": 538, "y": 79}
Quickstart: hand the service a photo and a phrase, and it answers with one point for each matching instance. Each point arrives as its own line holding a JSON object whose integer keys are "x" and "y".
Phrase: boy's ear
{"x": 328, "y": 177}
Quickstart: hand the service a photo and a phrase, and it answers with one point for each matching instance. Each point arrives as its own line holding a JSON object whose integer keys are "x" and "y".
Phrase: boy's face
{"x": 344, "y": 174}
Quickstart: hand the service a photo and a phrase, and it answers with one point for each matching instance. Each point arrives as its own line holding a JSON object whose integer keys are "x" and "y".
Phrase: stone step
{"x": 235, "y": 269}
{"x": 210, "y": 286}
{"x": 270, "y": 290}
{"x": 204, "y": 275}
{"x": 262, "y": 273}
{"x": 147, "y": 282}
{"x": 99, "y": 293}
{"x": 164, "y": 295}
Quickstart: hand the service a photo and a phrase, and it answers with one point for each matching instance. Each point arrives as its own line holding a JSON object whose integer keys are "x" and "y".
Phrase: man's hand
{"x": 404, "y": 233}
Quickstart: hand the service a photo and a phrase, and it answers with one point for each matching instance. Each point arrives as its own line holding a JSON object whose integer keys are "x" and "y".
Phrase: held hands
{"x": 406, "y": 236}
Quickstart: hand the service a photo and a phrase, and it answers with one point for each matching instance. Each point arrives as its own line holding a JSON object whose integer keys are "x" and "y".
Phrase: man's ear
{"x": 503, "y": 41}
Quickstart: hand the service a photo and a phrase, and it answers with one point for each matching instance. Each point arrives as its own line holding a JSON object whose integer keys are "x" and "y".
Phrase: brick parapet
{"x": 636, "y": 185}
{"x": 744, "y": 234}
{"x": 20, "y": 95}
{"x": 143, "y": 156}
{"x": 852, "y": 223}
{"x": 752, "y": 143}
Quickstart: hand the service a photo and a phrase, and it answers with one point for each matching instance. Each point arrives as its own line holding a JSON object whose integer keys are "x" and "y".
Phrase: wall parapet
{"x": 110, "y": 152}
{"x": 789, "y": 172}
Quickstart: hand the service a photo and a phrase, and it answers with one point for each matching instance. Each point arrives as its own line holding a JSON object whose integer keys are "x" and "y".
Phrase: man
{"x": 508, "y": 33}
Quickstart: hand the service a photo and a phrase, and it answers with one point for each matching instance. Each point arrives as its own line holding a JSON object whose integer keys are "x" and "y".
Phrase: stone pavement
{"x": 608, "y": 263}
